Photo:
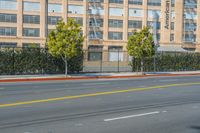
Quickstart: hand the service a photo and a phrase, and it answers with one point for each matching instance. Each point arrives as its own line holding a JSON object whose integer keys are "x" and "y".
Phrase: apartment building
{"x": 106, "y": 24}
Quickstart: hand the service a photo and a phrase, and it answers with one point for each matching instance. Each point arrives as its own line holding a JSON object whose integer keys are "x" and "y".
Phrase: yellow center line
{"x": 95, "y": 94}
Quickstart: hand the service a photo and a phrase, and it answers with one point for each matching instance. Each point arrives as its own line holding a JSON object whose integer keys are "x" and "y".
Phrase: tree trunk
{"x": 133, "y": 65}
{"x": 142, "y": 66}
{"x": 66, "y": 68}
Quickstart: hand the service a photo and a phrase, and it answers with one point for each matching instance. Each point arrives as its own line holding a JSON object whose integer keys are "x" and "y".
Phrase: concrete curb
{"x": 92, "y": 77}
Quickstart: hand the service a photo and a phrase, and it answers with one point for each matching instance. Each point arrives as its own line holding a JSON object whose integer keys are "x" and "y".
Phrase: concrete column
{"x": 106, "y": 18}
{"x": 198, "y": 27}
{"x": 165, "y": 21}
{"x": 198, "y": 22}
{"x": 19, "y": 18}
{"x": 125, "y": 21}
{"x": 178, "y": 25}
{"x": 105, "y": 53}
{"x": 85, "y": 25}
{"x": 125, "y": 53}
{"x": 145, "y": 14}
{"x": 42, "y": 19}
{"x": 64, "y": 10}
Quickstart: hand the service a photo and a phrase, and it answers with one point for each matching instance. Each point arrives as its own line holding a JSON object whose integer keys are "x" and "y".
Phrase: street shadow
{"x": 196, "y": 128}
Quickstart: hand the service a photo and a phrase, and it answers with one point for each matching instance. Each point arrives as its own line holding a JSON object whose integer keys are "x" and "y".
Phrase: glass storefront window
{"x": 115, "y": 53}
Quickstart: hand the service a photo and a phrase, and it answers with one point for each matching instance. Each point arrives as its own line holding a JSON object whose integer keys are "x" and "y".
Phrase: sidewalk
{"x": 90, "y": 76}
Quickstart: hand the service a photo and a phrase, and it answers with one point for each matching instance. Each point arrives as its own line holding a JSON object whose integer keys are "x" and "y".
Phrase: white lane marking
{"x": 79, "y": 124}
{"x": 87, "y": 84}
{"x": 132, "y": 116}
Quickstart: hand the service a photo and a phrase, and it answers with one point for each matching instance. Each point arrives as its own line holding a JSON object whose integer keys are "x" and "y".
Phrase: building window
{"x": 96, "y": 35}
{"x": 31, "y": 19}
{"x": 8, "y": 44}
{"x": 8, "y": 4}
{"x": 154, "y": 13}
{"x": 115, "y": 35}
{"x": 173, "y": 3}
{"x": 96, "y": 22}
{"x": 130, "y": 33}
{"x": 89, "y": 0}
{"x": 135, "y": 2}
{"x": 115, "y": 23}
{"x": 171, "y": 37}
{"x": 134, "y": 24}
{"x": 75, "y": 9}
{"x": 31, "y": 32}
{"x": 55, "y": 8}
{"x": 190, "y": 15}
{"x": 116, "y": 12}
{"x": 116, "y": 1}
{"x": 95, "y": 53}
{"x": 8, "y": 31}
{"x": 154, "y": 2}
{"x": 189, "y": 37}
{"x": 133, "y": 12}
{"x": 115, "y": 53}
{"x": 52, "y": 20}
{"x": 158, "y": 36}
{"x": 190, "y": 3}
{"x": 191, "y": 27}
{"x": 78, "y": 20}
{"x": 172, "y": 25}
{"x": 11, "y": 18}
{"x": 97, "y": 11}
{"x": 151, "y": 24}
{"x": 31, "y": 6}
{"x": 172, "y": 14}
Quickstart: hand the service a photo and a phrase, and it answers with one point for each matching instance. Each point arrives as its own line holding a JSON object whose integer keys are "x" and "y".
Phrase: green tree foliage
{"x": 66, "y": 41}
{"x": 140, "y": 45}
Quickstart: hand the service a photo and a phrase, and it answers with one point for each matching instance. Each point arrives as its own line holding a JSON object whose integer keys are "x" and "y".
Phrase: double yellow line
{"x": 95, "y": 94}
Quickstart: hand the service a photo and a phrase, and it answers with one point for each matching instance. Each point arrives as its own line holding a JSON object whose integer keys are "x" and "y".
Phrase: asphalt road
{"x": 148, "y": 105}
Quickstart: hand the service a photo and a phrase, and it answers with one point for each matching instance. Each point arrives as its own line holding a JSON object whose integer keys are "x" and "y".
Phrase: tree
{"x": 65, "y": 41}
{"x": 141, "y": 45}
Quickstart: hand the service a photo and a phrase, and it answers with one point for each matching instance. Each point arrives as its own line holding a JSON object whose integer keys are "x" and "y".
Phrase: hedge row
{"x": 34, "y": 61}
{"x": 170, "y": 62}
{"x": 39, "y": 61}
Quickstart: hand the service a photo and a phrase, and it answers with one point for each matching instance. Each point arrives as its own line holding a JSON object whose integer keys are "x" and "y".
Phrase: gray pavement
{"x": 172, "y": 109}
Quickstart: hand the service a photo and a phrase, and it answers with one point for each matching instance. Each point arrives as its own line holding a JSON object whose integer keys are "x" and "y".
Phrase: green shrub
{"x": 170, "y": 62}
{"x": 34, "y": 61}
